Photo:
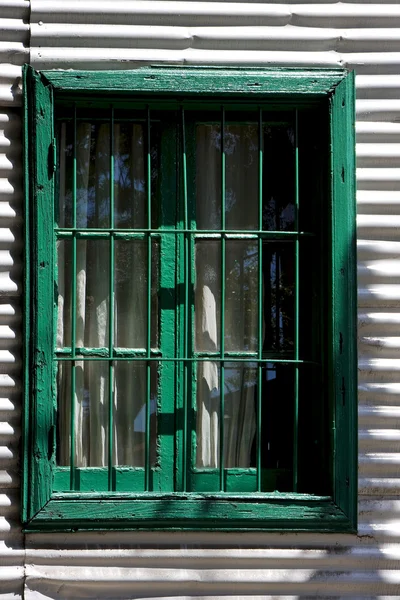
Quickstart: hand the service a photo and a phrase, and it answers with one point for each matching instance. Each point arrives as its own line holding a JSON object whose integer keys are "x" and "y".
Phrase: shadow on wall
{"x": 212, "y": 566}
{"x": 11, "y": 232}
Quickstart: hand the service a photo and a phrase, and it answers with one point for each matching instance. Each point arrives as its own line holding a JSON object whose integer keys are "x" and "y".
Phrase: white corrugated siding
{"x": 14, "y": 48}
{"x": 11, "y": 539}
{"x": 14, "y": 34}
{"x": 100, "y": 34}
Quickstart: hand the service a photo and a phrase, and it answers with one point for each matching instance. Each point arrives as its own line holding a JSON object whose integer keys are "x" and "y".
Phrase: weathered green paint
{"x": 191, "y": 81}
{"x": 25, "y": 488}
{"x": 344, "y": 296}
{"x": 143, "y": 509}
{"x": 165, "y": 477}
{"x": 40, "y": 310}
{"x": 191, "y": 512}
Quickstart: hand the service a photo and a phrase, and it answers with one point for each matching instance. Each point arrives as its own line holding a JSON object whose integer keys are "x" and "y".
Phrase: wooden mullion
{"x": 164, "y": 476}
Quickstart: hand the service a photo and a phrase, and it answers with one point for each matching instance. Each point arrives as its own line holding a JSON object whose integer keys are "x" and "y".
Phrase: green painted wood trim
{"x": 39, "y": 309}
{"x": 344, "y": 296}
{"x": 164, "y": 477}
{"x": 187, "y": 81}
{"x": 191, "y": 513}
{"x": 44, "y": 512}
{"x": 26, "y": 299}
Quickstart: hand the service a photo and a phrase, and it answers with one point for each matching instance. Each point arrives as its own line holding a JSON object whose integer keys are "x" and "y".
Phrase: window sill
{"x": 222, "y": 512}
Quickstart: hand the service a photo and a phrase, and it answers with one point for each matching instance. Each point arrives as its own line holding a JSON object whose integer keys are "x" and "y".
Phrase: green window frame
{"x": 52, "y": 500}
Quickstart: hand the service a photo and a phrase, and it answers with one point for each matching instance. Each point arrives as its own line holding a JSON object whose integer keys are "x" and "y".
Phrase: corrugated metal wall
{"x": 14, "y": 33}
{"x": 100, "y": 34}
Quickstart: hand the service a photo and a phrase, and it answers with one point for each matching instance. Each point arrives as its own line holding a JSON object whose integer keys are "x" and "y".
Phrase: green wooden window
{"x": 190, "y": 300}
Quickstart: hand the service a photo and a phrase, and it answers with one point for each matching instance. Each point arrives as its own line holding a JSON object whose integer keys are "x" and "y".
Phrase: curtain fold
{"x": 240, "y": 307}
{"x": 92, "y": 303}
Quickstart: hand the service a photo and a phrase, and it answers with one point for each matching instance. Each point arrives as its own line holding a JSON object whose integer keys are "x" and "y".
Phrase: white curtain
{"x": 241, "y": 308}
{"x": 130, "y": 295}
{"x": 92, "y": 297}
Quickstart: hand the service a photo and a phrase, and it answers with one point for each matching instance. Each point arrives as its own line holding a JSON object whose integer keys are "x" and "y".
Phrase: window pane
{"x": 90, "y": 400}
{"x": 242, "y": 176}
{"x": 65, "y": 175}
{"x": 131, "y": 289}
{"x": 208, "y": 176}
{"x": 131, "y": 175}
{"x": 278, "y": 177}
{"x": 92, "y": 293}
{"x": 208, "y": 407}
{"x": 93, "y": 175}
{"x": 278, "y": 397}
{"x": 130, "y": 397}
{"x": 279, "y": 296}
{"x": 207, "y": 295}
{"x": 241, "y": 296}
{"x": 239, "y": 415}
{"x": 64, "y": 278}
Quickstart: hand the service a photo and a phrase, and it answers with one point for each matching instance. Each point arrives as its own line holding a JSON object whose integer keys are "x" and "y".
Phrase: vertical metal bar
{"x": 111, "y": 310}
{"x": 186, "y": 307}
{"x": 148, "y": 363}
{"x": 260, "y": 299}
{"x": 73, "y": 309}
{"x": 222, "y": 315}
{"x": 296, "y": 313}
{"x": 277, "y": 300}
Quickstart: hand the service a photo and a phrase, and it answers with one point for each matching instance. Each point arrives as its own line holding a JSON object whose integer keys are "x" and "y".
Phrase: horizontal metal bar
{"x": 154, "y": 352}
{"x": 137, "y": 120}
{"x": 227, "y": 233}
{"x": 102, "y": 234}
{"x": 219, "y": 360}
{"x": 104, "y": 352}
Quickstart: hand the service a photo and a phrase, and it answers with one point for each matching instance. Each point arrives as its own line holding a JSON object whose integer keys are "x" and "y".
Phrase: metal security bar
{"x": 296, "y": 311}
{"x": 260, "y": 301}
{"x": 73, "y": 310}
{"x": 148, "y": 340}
{"x": 222, "y": 324}
{"x": 185, "y": 357}
{"x": 186, "y": 311}
{"x": 111, "y": 312}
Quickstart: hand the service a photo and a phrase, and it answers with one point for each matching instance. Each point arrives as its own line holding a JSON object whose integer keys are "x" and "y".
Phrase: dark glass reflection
{"x": 93, "y": 167}
{"x": 278, "y": 296}
{"x": 278, "y": 178}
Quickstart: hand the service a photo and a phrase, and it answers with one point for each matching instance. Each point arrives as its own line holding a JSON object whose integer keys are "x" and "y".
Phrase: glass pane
{"x": 130, "y": 173}
{"x": 208, "y": 404}
{"x": 90, "y": 399}
{"x": 65, "y": 174}
{"x": 279, "y": 296}
{"x": 277, "y": 398}
{"x": 92, "y": 293}
{"x": 239, "y": 416}
{"x": 131, "y": 282}
{"x": 208, "y": 176}
{"x": 130, "y": 181}
{"x": 64, "y": 279}
{"x": 130, "y": 396}
{"x": 242, "y": 176}
{"x": 93, "y": 175}
{"x": 278, "y": 178}
{"x": 207, "y": 300}
{"x": 241, "y": 296}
